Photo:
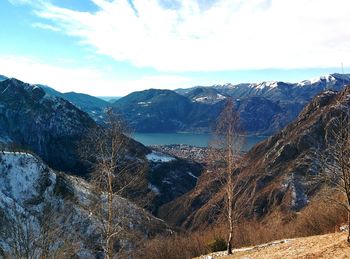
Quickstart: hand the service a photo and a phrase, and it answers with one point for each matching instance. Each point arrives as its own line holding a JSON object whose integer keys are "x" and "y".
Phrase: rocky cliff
{"x": 50, "y": 126}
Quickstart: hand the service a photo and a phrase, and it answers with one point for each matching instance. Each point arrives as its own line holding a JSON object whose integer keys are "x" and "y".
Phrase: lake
{"x": 193, "y": 139}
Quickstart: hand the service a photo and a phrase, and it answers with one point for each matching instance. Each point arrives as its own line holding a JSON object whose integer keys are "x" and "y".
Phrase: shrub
{"x": 219, "y": 244}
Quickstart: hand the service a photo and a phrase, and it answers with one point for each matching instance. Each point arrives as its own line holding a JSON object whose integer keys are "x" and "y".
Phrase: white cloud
{"x": 214, "y": 36}
{"x": 45, "y": 27}
{"x": 90, "y": 80}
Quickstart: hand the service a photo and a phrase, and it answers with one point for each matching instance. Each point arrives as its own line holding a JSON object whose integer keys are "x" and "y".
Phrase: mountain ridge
{"x": 279, "y": 171}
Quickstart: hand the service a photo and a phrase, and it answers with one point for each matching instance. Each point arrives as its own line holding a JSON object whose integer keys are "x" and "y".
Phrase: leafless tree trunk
{"x": 336, "y": 162}
{"x": 224, "y": 159}
{"x": 108, "y": 151}
{"x": 35, "y": 237}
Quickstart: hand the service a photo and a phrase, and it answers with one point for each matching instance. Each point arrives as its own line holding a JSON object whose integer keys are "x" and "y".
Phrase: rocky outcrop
{"x": 49, "y": 126}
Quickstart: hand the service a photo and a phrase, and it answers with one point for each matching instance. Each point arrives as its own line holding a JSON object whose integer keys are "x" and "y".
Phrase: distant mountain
{"x": 94, "y": 106}
{"x": 302, "y": 91}
{"x": 49, "y": 126}
{"x": 165, "y": 111}
{"x": 110, "y": 99}
{"x": 58, "y": 209}
{"x": 280, "y": 171}
{"x": 264, "y": 108}
{"x": 154, "y": 110}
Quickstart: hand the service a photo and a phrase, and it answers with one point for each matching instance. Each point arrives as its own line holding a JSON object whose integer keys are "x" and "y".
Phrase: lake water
{"x": 193, "y": 139}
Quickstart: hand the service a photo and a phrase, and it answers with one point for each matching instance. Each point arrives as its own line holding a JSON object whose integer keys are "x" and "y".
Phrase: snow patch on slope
{"x": 159, "y": 157}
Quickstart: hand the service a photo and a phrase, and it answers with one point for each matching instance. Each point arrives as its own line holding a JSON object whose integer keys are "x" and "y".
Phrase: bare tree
{"x": 335, "y": 162}
{"x": 18, "y": 232}
{"x": 225, "y": 156}
{"x": 108, "y": 150}
{"x": 28, "y": 236}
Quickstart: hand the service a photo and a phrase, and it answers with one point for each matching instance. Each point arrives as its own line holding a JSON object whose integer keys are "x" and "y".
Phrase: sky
{"x": 114, "y": 47}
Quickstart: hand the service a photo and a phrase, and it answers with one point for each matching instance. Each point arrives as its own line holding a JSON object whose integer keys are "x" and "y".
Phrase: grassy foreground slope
{"x": 324, "y": 246}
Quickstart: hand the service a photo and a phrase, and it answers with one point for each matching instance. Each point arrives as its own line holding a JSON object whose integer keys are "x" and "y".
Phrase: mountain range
{"x": 264, "y": 108}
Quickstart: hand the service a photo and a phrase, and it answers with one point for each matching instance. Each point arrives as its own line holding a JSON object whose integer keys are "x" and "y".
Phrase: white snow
{"x": 153, "y": 188}
{"x": 159, "y": 157}
{"x": 190, "y": 174}
{"x": 220, "y": 97}
{"x": 327, "y": 78}
{"x": 201, "y": 99}
{"x": 263, "y": 85}
{"x": 20, "y": 173}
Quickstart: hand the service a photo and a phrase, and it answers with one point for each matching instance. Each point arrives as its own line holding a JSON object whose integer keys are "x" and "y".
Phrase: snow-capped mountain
{"x": 264, "y": 108}
{"x": 56, "y": 210}
{"x": 283, "y": 91}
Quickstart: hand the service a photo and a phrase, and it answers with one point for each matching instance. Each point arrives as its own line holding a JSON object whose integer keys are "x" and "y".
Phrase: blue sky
{"x": 114, "y": 47}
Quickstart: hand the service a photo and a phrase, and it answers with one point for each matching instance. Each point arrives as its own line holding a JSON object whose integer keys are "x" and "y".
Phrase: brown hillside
{"x": 280, "y": 171}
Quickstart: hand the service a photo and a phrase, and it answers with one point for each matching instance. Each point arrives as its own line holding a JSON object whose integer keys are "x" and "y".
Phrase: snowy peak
{"x": 330, "y": 79}
{"x": 265, "y": 84}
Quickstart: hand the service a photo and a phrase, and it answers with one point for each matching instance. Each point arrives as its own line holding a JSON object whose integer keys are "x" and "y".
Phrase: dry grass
{"x": 324, "y": 246}
{"x": 318, "y": 218}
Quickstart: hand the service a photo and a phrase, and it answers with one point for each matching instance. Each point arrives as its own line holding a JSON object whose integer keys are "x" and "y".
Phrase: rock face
{"x": 28, "y": 187}
{"x": 49, "y": 126}
{"x": 264, "y": 108}
{"x": 279, "y": 172}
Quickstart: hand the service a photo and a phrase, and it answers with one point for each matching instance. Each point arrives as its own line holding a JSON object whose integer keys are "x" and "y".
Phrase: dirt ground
{"x": 324, "y": 246}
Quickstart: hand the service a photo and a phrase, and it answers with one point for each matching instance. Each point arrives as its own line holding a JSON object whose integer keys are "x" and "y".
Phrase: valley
{"x": 163, "y": 184}
{"x": 174, "y": 129}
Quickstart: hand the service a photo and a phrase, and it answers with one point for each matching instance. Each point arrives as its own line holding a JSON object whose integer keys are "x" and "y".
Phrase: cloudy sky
{"x": 114, "y": 47}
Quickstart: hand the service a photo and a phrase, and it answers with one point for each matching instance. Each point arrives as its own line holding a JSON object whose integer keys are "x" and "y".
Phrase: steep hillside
{"x": 49, "y": 126}
{"x": 278, "y": 173}
{"x": 57, "y": 210}
{"x": 93, "y": 106}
